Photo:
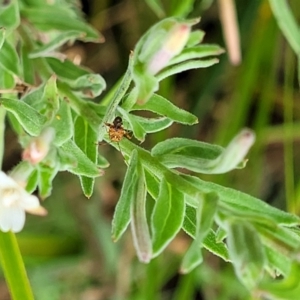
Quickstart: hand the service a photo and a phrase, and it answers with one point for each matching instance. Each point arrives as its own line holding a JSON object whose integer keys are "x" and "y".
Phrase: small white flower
{"x": 14, "y": 201}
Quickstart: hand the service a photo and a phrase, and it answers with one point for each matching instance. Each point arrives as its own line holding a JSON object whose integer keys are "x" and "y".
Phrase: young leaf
{"x": 195, "y": 38}
{"x": 29, "y": 118}
{"x": 139, "y": 226}
{"x": 167, "y": 216}
{"x": 185, "y": 66}
{"x": 162, "y": 106}
{"x": 196, "y": 52}
{"x": 122, "y": 216}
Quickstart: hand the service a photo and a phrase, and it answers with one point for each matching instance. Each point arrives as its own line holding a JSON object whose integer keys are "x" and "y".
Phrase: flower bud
{"x": 38, "y": 147}
{"x": 173, "y": 44}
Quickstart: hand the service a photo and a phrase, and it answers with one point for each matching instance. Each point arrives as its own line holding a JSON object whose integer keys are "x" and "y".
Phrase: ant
{"x": 116, "y": 131}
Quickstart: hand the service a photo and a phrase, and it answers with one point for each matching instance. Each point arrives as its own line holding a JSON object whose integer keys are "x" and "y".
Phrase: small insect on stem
{"x": 116, "y": 131}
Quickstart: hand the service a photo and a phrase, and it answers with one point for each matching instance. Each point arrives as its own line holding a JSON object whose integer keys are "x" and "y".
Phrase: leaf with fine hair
{"x": 139, "y": 225}
{"x": 122, "y": 215}
{"x": 167, "y": 217}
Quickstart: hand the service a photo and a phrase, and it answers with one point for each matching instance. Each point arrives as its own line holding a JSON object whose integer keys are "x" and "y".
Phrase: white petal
{"x": 28, "y": 201}
{"x": 17, "y": 219}
{"x": 7, "y": 182}
{"x": 6, "y": 218}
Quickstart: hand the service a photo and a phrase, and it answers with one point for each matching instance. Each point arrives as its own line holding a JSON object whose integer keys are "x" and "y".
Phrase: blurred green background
{"x": 70, "y": 254}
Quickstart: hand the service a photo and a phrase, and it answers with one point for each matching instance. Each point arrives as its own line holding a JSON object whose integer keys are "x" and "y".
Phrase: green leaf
{"x": 152, "y": 184}
{"x": 63, "y": 124}
{"x": 7, "y": 80}
{"x": 90, "y": 85}
{"x": 9, "y": 59}
{"x": 46, "y": 175}
{"x": 195, "y": 38}
{"x": 278, "y": 262}
{"x": 210, "y": 241}
{"x": 79, "y": 79}
{"x": 32, "y": 182}
{"x": 55, "y": 43}
{"x": 196, "y": 52}
{"x": 66, "y": 70}
{"x": 34, "y": 97}
{"x": 29, "y": 118}
{"x": 50, "y": 17}
{"x": 27, "y": 65}
{"x": 9, "y": 15}
{"x": 167, "y": 216}
{"x": 244, "y": 202}
{"x": 287, "y": 23}
{"x": 162, "y": 106}
{"x": 283, "y": 239}
{"x": 202, "y": 157}
{"x": 74, "y": 160}
{"x": 246, "y": 252}
{"x": 151, "y": 125}
{"x": 102, "y": 162}
{"x": 122, "y": 216}
{"x": 85, "y": 138}
{"x": 139, "y": 226}
{"x": 50, "y": 99}
{"x": 185, "y": 66}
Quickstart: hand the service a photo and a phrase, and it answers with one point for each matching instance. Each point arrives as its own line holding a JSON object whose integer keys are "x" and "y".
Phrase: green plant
{"x": 59, "y": 129}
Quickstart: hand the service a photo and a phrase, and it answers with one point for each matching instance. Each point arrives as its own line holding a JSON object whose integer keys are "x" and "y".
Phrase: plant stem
{"x": 13, "y": 267}
{"x": 2, "y": 128}
{"x": 119, "y": 94}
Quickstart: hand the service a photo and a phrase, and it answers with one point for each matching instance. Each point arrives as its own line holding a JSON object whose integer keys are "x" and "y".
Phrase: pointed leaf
{"x": 85, "y": 138}
{"x": 139, "y": 226}
{"x": 76, "y": 161}
{"x": 162, "y": 106}
{"x": 29, "y": 118}
{"x": 185, "y": 66}
{"x": 122, "y": 216}
{"x": 167, "y": 217}
{"x": 9, "y": 59}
